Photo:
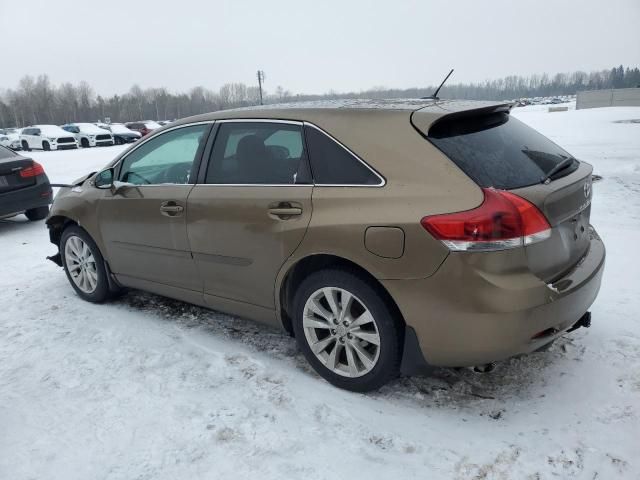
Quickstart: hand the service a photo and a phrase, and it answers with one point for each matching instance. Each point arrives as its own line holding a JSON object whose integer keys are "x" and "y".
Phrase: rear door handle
{"x": 171, "y": 209}
{"x": 284, "y": 210}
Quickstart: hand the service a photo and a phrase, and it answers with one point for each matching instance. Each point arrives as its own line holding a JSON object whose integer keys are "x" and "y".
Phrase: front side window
{"x": 258, "y": 153}
{"x": 167, "y": 158}
{"x": 331, "y": 164}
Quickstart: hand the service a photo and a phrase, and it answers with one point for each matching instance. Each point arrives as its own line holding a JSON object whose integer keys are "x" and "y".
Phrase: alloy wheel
{"x": 341, "y": 332}
{"x": 81, "y": 264}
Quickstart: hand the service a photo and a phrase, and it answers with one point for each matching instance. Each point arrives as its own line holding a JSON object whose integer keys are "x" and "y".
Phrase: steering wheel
{"x": 134, "y": 174}
{"x": 178, "y": 173}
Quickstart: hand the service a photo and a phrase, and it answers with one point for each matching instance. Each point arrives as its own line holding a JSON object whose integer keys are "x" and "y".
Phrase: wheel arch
{"x": 56, "y": 225}
{"x": 413, "y": 358}
{"x": 297, "y": 271}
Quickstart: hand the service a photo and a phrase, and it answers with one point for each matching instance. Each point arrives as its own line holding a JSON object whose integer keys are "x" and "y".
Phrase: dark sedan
{"x": 24, "y": 187}
{"x": 122, "y": 134}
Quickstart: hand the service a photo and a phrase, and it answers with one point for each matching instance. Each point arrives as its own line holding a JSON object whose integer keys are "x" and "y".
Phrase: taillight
{"x": 504, "y": 220}
{"x": 33, "y": 171}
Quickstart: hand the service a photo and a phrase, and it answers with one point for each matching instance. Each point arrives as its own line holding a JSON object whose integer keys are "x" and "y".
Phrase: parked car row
{"x": 75, "y": 135}
{"x": 523, "y": 102}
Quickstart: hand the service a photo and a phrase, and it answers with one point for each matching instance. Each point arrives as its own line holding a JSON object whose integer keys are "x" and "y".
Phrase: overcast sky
{"x": 310, "y": 46}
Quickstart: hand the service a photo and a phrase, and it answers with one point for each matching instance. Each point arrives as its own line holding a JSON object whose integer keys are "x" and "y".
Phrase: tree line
{"x": 38, "y": 101}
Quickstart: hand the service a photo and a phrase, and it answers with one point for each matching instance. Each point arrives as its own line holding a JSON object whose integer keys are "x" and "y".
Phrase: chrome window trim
{"x": 141, "y": 142}
{"x": 383, "y": 181}
{"x": 259, "y": 120}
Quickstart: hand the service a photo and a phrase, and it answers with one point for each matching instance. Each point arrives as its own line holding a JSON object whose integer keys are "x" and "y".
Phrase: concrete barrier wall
{"x": 619, "y": 97}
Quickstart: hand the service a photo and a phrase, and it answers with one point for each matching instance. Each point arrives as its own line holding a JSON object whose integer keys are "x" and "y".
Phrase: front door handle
{"x": 171, "y": 209}
{"x": 284, "y": 211}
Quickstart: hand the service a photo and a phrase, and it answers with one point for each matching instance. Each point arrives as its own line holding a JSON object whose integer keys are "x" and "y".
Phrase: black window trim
{"x": 302, "y": 124}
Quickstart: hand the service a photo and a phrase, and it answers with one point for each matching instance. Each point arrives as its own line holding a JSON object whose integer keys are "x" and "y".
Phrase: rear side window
{"x": 258, "y": 153}
{"x": 498, "y": 150}
{"x": 331, "y": 164}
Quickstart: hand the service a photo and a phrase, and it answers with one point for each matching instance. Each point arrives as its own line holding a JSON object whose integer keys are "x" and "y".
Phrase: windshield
{"x": 499, "y": 151}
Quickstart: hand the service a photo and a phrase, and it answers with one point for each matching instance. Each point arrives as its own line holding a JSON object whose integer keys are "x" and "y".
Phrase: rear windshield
{"x": 499, "y": 151}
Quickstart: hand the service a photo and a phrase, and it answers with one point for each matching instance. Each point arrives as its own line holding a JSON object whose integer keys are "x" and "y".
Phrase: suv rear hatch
{"x": 500, "y": 152}
{"x": 12, "y": 171}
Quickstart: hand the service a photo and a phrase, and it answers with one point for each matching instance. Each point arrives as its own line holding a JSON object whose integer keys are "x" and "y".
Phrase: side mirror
{"x": 104, "y": 179}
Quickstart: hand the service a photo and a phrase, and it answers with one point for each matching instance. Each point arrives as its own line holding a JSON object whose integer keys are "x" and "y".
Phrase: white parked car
{"x": 46, "y": 137}
{"x": 89, "y": 135}
{"x": 10, "y": 138}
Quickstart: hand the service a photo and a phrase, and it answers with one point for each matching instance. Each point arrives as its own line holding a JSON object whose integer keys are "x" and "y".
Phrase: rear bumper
{"x": 472, "y": 312}
{"x": 18, "y": 201}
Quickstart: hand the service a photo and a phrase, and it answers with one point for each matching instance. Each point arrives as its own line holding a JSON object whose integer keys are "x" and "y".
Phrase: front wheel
{"x": 85, "y": 143}
{"x": 347, "y": 331}
{"x": 25, "y": 146}
{"x": 84, "y": 265}
{"x": 45, "y": 146}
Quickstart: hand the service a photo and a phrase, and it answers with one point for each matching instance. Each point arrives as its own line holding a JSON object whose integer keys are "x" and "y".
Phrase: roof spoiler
{"x": 456, "y": 111}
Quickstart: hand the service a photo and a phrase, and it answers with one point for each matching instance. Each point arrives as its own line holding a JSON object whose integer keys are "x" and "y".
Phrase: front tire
{"x": 346, "y": 330}
{"x": 45, "y": 146}
{"x": 84, "y": 265}
{"x": 85, "y": 143}
{"x": 25, "y": 146}
{"x": 39, "y": 213}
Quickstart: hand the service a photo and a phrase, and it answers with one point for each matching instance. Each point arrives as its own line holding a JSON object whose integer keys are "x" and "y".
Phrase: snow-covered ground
{"x": 150, "y": 388}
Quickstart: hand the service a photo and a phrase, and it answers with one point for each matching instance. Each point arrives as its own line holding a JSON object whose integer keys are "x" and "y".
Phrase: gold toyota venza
{"x": 385, "y": 236}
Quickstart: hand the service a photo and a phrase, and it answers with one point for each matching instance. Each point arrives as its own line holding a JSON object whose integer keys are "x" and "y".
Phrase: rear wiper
{"x": 560, "y": 166}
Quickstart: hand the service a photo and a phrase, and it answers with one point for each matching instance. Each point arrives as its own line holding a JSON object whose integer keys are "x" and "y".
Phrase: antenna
{"x": 434, "y": 96}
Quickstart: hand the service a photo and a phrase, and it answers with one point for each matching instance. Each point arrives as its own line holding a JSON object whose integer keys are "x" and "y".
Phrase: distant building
{"x": 619, "y": 97}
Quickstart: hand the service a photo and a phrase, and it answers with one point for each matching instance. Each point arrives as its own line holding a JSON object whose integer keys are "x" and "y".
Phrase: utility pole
{"x": 260, "y": 81}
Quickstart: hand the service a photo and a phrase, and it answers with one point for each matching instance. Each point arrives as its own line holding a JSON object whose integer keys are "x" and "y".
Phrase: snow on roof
{"x": 392, "y": 104}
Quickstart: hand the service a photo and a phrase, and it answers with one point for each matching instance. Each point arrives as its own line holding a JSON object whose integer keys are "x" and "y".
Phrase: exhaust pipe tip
{"x": 486, "y": 368}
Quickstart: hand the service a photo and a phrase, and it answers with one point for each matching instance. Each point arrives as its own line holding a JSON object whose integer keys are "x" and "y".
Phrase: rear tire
{"x": 85, "y": 143}
{"x": 39, "y": 213}
{"x": 45, "y": 146}
{"x": 344, "y": 335}
{"x": 25, "y": 146}
{"x": 84, "y": 265}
